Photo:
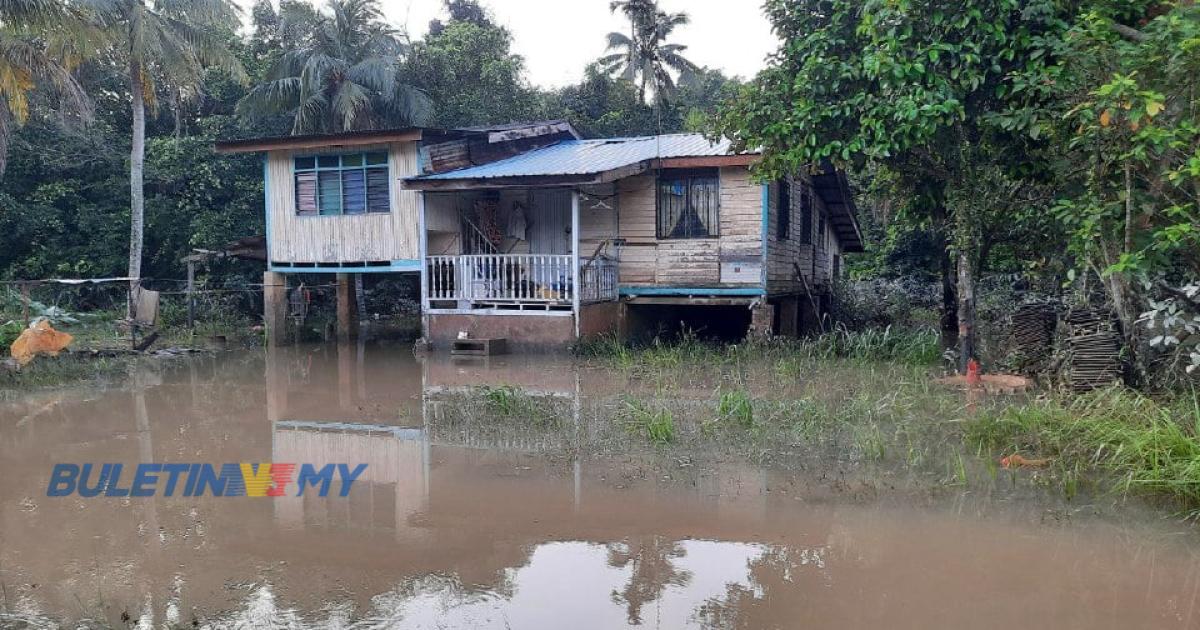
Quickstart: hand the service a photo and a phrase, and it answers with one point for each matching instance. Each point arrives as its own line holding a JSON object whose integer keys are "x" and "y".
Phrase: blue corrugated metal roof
{"x": 587, "y": 157}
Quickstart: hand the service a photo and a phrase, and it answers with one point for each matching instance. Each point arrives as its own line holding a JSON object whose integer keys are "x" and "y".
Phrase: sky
{"x": 558, "y": 38}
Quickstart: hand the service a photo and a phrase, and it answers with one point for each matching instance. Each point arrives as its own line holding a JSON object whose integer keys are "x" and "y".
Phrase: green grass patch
{"x": 511, "y": 402}
{"x": 655, "y": 423}
{"x": 736, "y": 406}
{"x": 1145, "y": 444}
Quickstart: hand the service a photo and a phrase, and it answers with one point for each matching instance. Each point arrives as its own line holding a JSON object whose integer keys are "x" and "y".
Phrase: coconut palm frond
{"x": 206, "y": 48}
{"x": 270, "y": 98}
{"x": 619, "y": 40}
{"x": 347, "y": 72}
{"x": 645, "y": 57}
{"x": 310, "y": 114}
{"x": 210, "y": 12}
{"x": 376, "y": 73}
{"x": 410, "y": 105}
{"x": 350, "y": 103}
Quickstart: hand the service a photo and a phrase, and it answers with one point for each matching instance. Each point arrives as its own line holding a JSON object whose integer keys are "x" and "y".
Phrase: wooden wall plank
{"x": 646, "y": 260}
{"x": 357, "y": 238}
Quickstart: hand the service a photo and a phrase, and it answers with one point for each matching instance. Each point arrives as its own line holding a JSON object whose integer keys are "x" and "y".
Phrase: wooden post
{"x": 25, "y": 303}
{"x": 191, "y": 294}
{"x": 347, "y": 315}
{"x": 422, "y": 254}
{"x": 275, "y": 304}
{"x": 576, "y": 283}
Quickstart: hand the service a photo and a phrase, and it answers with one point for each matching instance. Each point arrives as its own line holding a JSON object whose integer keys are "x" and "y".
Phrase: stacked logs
{"x": 1032, "y": 333}
{"x": 1093, "y": 347}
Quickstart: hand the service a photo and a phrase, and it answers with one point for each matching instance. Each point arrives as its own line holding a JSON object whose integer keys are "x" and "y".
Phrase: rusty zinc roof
{"x": 586, "y": 157}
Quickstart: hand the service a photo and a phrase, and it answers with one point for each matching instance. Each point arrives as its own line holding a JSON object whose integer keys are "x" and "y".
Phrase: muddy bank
{"x": 519, "y": 492}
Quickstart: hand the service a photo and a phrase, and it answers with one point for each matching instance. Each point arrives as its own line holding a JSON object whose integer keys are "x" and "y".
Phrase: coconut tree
{"x": 35, "y": 54}
{"x": 345, "y": 76}
{"x": 644, "y": 56}
{"x": 170, "y": 42}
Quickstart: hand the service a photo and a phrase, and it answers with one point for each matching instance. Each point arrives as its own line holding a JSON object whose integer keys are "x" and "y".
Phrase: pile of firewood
{"x": 1093, "y": 349}
{"x": 1033, "y": 326}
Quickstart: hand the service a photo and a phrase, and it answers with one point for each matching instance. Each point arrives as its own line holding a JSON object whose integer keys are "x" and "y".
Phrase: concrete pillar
{"x": 347, "y": 308}
{"x": 275, "y": 307}
{"x": 762, "y": 316}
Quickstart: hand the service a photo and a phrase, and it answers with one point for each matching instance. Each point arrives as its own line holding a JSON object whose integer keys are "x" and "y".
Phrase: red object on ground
{"x": 973, "y": 373}
{"x": 1016, "y": 461}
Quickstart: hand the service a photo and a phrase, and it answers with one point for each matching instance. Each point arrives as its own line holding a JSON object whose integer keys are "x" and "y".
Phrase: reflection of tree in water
{"x": 765, "y": 601}
{"x": 653, "y": 572}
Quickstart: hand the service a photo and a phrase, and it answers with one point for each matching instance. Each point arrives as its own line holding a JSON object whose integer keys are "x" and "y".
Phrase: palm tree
{"x": 162, "y": 41}
{"x": 345, "y": 77}
{"x": 35, "y": 53}
{"x": 643, "y": 55}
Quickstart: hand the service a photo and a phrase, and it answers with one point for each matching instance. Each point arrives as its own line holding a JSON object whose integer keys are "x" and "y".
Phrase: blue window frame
{"x": 351, "y": 183}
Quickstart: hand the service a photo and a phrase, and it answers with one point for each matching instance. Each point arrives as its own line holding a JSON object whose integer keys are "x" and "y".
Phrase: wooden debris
{"x": 1093, "y": 347}
{"x": 1032, "y": 334}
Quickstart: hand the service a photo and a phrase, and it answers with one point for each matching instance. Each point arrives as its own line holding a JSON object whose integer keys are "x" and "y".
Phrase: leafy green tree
{"x": 1130, "y": 129}
{"x": 345, "y": 74}
{"x": 168, "y": 42}
{"x": 643, "y": 56}
{"x": 916, "y": 86}
{"x": 467, "y": 67}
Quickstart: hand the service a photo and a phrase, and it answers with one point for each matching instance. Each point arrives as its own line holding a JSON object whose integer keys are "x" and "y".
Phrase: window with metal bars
{"x": 689, "y": 204}
{"x": 353, "y": 183}
{"x": 806, "y": 217}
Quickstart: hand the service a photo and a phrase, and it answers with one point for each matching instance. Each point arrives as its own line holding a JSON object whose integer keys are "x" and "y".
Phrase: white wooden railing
{"x": 502, "y": 278}
{"x": 499, "y": 280}
{"x": 598, "y": 280}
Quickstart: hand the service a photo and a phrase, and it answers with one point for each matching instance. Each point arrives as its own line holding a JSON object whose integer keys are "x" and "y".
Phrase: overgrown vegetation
{"x": 911, "y": 347}
{"x": 1145, "y": 445}
{"x": 1055, "y": 140}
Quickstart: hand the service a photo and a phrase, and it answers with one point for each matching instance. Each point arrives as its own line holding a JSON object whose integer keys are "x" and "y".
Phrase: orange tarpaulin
{"x": 39, "y": 338}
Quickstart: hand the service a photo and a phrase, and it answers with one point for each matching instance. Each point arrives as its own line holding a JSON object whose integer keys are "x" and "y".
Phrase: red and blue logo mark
{"x": 267, "y": 479}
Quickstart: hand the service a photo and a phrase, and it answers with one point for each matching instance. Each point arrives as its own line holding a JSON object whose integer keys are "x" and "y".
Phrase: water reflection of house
{"x": 391, "y": 489}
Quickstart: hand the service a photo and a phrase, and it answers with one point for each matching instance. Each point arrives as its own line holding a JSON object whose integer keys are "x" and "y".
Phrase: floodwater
{"x": 461, "y": 529}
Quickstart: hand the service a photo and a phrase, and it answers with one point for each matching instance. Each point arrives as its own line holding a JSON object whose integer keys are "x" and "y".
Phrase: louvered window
{"x": 354, "y": 183}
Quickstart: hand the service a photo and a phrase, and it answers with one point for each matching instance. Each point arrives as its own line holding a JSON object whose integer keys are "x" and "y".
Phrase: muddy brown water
{"x": 473, "y": 532}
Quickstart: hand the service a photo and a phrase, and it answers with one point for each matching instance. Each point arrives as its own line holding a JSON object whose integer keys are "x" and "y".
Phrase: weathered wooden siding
{"x": 648, "y": 261}
{"x": 342, "y": 239}
{"x": 784, "y": 255}
{"x": 598, "y": 209}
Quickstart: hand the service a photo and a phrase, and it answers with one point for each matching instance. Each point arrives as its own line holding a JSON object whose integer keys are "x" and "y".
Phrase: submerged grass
{"x": 511, "y": 402}
{"x": 910, "y": 347}
{"x": 835, "y": 401}
{"x": 1146, "y": 444}
{"x": 655, "y": 423}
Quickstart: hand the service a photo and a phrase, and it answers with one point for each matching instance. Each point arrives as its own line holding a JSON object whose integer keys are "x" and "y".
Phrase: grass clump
{"x": 1147, "y": 445}
{"x": 736, "y": 406}
{"x": 656, "y": 424}
{"x": 915, "y": 347}
{"x": 511, "y": 402}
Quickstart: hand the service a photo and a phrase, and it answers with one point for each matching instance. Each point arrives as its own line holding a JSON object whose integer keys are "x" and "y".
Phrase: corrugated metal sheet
{"x": 586, "y": 157}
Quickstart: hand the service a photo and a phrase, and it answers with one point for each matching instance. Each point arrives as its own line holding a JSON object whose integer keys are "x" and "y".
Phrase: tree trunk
{"x": 177, "y": 106}
{"x": 966, "y": 309}
{"x": 137, "y": 157}
{"x": 949, "y": 318}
